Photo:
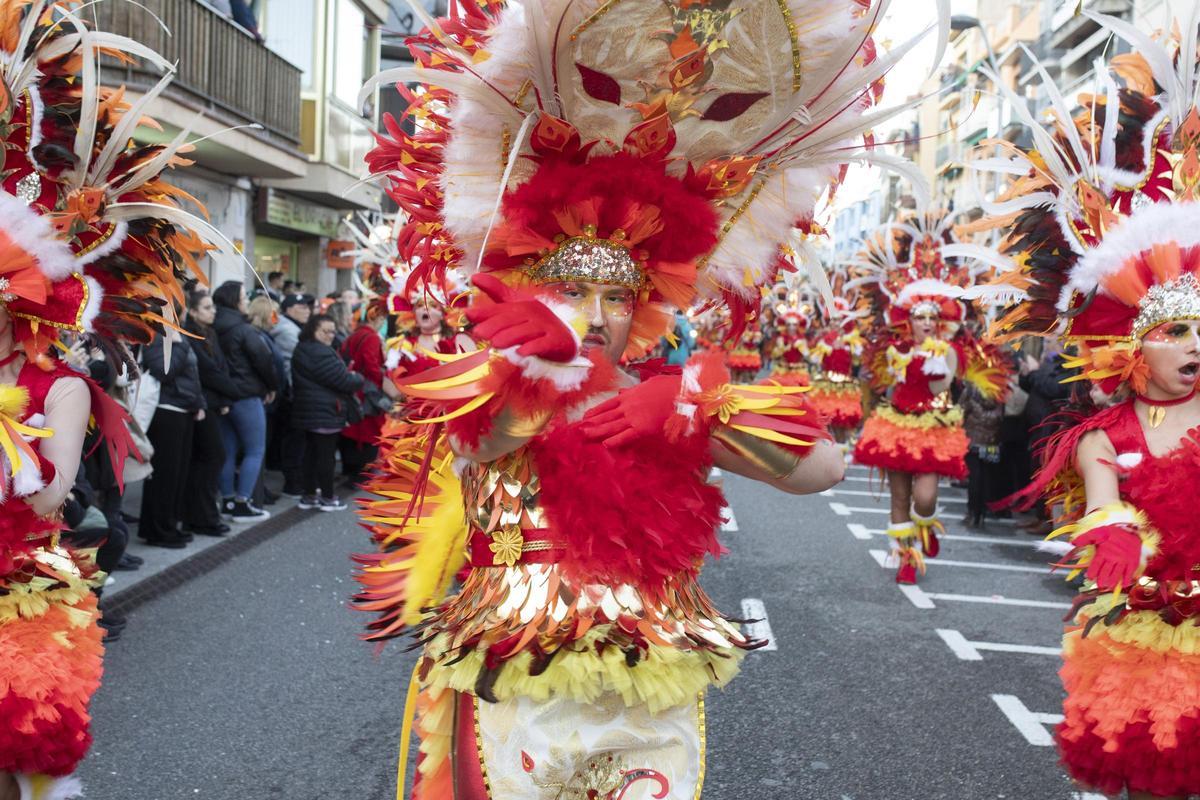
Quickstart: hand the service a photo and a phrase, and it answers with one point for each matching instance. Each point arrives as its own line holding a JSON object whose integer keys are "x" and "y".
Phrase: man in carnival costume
{"x": 91, "y": 245}
{"x": 1104, "y": 241}
{"x": 916, "y": 435}
{"x": 596, "y": 164}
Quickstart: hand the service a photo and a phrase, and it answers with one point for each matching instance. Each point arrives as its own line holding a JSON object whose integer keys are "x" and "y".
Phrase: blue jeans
{"x": 244, "y": 431}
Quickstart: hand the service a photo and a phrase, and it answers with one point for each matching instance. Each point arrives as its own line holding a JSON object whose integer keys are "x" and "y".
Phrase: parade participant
{"x": 916, "y": 434}
{"x": 92, "y": 245}
{"x": 1103, "y": 225}
{"x": 836, "y": 355}
{"x": 745, "y": 359}
{"x": 574, "y": 659}
{"x": 789, "y": 347}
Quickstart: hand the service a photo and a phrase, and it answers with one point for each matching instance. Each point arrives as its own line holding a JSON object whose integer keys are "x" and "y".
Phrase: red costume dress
{"x": 915, "y": 430}
{"x": 836, "y": 394}
{"x": 1131, "y": 660}
{"x": 50, "y": 651}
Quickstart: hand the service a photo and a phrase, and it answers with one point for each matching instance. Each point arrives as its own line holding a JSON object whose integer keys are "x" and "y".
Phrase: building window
{"x": 350, "y": 49}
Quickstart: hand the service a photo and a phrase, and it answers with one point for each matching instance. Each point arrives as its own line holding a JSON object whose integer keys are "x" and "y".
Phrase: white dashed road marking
{"x": 923, "y": 599}
{"x": 881, "y": 557}
{"x": 728, "y": 521}
{"x": 863, "y": 532}
{"x": 861, "y": 493}
{"x": 967, "y": 650}
{"x": 1030, "y": 724}
{"x": 753, "y": 608}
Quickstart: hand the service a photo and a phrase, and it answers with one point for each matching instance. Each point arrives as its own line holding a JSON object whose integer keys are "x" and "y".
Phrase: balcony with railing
{"x": 222, "y": 69}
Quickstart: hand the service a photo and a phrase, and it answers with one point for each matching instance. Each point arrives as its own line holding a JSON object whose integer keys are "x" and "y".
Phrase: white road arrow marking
{"x": 968, "y": 650}
{"x": 1030, "y": 724}
{"x": 753, "y": 608}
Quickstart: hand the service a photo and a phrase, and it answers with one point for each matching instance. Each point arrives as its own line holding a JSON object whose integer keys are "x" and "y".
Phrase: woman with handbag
{"x": 322, "y": 405}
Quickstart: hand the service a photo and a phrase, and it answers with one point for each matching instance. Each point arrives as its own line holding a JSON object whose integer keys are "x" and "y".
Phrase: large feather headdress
{"x": 1104, "y": 222}
{"x": 92, "y": 239}
{"x": 670, "y": 146}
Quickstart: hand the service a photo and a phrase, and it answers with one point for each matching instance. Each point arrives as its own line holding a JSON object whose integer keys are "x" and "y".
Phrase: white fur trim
{"x": 110, "y": 245}
{"x": 32, "y": 232}
{"x": 27, "y": 480}
{"x": 935, "y": 366}
{"x": 92, "y": 309}
{"x": 1128, "y": 460}
{"x": 565, "y": 377}
{"x": 1156, "y": 223}
{"x": 47, "y": 788}
{"x": 690, "y": 382}
{"x": 1056, "y": 546}
{"x": 392, "y": 360}
{"x": 36, "y": 113}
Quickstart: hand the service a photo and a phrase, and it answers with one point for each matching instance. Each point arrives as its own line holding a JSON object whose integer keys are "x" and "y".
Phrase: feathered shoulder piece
{"x": 669, "y": 146}
{"x": 1102, "y": 212}
{"x": 91, "y": 236}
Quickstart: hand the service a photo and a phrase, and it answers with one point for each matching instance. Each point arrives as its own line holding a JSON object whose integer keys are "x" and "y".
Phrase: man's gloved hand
{"x": 518, "y": 320}
{"x": 635, "y": 412}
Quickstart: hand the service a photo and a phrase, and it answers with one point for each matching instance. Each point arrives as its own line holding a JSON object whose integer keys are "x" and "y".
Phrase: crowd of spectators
{"x": 252, "y": 395}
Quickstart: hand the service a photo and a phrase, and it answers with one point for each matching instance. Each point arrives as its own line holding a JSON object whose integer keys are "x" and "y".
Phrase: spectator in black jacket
{"x": 321, "y": 407}
{"x": 200, "y": 510}
{"x": 244, "y": 428}
{"x": 180, "y": 404}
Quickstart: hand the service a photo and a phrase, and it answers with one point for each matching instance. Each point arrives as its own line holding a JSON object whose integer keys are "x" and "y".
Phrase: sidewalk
{"x": 166, "y": 569}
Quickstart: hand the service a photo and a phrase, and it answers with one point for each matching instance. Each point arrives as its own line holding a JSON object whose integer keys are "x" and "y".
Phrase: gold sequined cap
{"x": 1177, "y": 299}
{"x": 589, "y": 260}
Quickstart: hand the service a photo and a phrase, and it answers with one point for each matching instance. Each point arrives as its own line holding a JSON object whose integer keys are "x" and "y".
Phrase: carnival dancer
{"x": 789, "y": 347}
{"x": 75, "y": 191}
{"x": 574, "y": 659}
{"x": 837, "y": 355}
{"x": 915, "y": 435}
{"x": 745, "y": 358}
{"x": 1105, "y": 246}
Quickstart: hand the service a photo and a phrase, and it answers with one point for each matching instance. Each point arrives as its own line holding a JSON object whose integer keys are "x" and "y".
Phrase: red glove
{"x": 517, "y": 320}
{"x": 1117, "y": 557}
{"x": 635, "y": 412}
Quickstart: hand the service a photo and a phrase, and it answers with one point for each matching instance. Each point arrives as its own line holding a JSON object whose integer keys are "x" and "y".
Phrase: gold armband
{"x": 770, "y": 458}
{"x": 507, "y": 423}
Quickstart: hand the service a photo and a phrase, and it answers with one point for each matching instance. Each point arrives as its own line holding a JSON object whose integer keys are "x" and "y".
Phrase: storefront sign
{"x": 335, "y": 254}
{"x": 294, "y": 214}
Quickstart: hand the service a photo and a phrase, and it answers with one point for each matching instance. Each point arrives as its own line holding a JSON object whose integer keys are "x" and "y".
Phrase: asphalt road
{"x": 249, "y": 682}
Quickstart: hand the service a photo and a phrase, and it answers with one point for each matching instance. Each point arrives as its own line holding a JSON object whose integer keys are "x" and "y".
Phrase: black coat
{"x": 179, "y": 377}
{"x": 249, "y": 360}
{"x": 321, "y": 388}
{"x": 219, "y": 389}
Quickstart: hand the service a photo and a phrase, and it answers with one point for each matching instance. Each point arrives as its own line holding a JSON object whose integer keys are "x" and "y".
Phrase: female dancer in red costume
{"x": 91, "y": 245}
{"x": 916, "y": 433}
{"x": 1107, "y": 238}
{"x": 836, "y": 355}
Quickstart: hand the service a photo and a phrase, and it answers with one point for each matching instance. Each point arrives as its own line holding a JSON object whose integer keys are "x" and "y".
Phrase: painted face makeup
{"x": 923, "y": 326}
{"x": 605, "y": 313}
{"x": 1172, "y": 353}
